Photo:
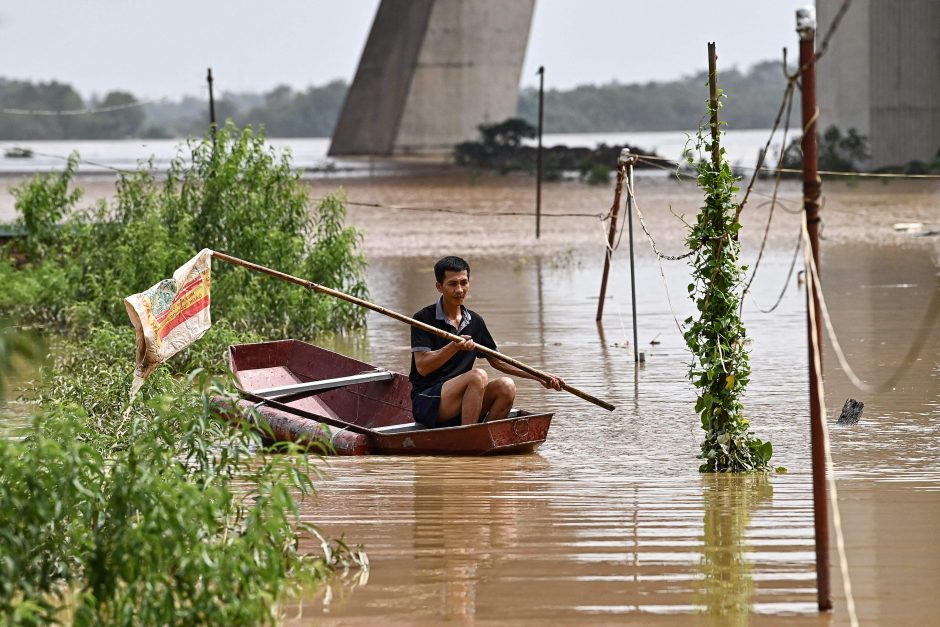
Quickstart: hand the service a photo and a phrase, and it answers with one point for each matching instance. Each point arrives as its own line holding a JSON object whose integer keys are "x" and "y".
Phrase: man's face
{"x": 455, "y": 287}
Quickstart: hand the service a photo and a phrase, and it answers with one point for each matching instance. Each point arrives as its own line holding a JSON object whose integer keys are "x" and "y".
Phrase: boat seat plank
{"x": 400, "y": 428}
{"x": 322, "y": 385}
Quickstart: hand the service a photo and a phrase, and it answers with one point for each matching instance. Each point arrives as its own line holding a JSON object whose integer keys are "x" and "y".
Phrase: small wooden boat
{"x": 18, "y": 152}
{"x": 311, "y": 395}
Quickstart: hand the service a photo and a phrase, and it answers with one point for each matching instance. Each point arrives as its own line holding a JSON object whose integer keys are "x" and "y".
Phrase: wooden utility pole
{"x": 713, "y": 103}
{"x": 611, "y": 235}
{"x": 212, "y": 125}
{"x": 806, "y": 27}
{"x": 538, "y": 155}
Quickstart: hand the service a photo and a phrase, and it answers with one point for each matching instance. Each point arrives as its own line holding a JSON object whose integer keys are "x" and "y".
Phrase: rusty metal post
{"x": 806, "y": 27}
{"x": 538, "y": 155}
{"x": 611, "y": 233}
{"x": 212, "y": 126}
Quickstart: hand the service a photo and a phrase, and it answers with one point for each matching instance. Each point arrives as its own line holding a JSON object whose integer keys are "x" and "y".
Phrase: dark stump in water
{"x": 851, "y": 412}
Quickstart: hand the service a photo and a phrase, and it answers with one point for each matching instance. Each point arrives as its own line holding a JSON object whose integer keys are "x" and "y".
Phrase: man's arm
{"x": 427, "y": 362}
{"x": 554, "y": 383}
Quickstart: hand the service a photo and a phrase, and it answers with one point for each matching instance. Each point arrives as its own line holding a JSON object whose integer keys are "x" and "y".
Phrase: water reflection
{"x": 461, "y": 532}
{"x": 728, "y": 586}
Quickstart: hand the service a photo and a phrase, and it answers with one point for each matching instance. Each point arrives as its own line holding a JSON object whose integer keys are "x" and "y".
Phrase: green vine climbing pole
{"x": 720, "y": 366}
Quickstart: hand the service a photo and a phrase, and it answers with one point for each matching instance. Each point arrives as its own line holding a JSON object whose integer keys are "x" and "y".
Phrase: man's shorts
{"x": 426, "y": 405}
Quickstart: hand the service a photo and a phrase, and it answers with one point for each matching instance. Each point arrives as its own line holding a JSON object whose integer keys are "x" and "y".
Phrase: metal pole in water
{"x": 538, "y": 154}
{"x": 212, "y": 125}
{"x": 806, "y": 27}
{"x": 630, "y": 160}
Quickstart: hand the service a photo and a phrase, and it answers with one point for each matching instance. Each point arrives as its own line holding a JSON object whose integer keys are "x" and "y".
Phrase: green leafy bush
{"x": 185, "y": 523}
{"x": 162, "y": 513}
{"x": 838, "y": 152}
{"x": 236, "y": 196}
{"x": 598, "y": 175}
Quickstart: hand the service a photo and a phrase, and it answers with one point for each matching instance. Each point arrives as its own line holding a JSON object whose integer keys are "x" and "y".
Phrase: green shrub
{"x": 162, "y": 513}
{"x": 236, "y": 196}
{"x": 43, "y": 202}
{"x": 185, "y": 523}
{"x": 598, "y": 175}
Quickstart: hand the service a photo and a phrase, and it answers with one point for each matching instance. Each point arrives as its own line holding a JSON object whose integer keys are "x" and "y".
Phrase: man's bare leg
{"x": 498, "y": 398}
{"x": 463, "y": 396}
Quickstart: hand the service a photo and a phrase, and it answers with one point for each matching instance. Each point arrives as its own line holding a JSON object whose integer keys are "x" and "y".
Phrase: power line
{"x": 73, "y": 112}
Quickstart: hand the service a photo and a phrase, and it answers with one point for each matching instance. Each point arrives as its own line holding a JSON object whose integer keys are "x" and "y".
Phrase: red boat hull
{"x": 367, "y": 418}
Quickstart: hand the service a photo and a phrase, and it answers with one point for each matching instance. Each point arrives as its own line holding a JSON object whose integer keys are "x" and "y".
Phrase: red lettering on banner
{"x": 195, "y": 283}
{"x": 183, "y": 316}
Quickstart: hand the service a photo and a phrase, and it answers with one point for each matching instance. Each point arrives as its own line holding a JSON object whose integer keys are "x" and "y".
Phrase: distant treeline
{"x": 752, "y": 102}
{"x": 282, "y": 111}
{"x": 753, "y": 99}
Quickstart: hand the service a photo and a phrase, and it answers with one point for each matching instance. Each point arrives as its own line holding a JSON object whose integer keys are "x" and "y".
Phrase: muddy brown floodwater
{"x": 610, "y": 521}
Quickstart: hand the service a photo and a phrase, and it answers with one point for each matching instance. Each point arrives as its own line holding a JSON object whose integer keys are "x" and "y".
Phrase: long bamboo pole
{"x": 310, "y": 285}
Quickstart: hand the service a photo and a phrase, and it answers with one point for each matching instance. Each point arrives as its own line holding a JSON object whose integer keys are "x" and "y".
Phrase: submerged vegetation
{"x": 502, "y": 148}
{"x": 161, "y": 513}
{"x": 720, "y": 367}
{"x": 837, "y": 152}
{"x": 848, "y": 151}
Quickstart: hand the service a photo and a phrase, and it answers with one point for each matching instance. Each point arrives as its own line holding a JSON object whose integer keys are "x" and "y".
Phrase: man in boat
{"x": 446, "y": 388}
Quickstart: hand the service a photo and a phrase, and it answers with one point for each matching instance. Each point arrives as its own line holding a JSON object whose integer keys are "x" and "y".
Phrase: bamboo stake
{"x": 235, "y": 261}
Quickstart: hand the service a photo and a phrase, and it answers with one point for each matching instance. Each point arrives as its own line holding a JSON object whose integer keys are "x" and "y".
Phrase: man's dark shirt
{"x": 471, "y": 323}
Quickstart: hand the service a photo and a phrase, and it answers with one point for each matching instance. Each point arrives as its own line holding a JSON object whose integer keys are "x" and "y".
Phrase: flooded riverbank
{"x": 610, "y": 520}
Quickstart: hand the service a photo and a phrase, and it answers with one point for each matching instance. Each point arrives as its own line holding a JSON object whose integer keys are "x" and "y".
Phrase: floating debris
{"x": 917, "y": 228}
{"x": 851, "y": 412}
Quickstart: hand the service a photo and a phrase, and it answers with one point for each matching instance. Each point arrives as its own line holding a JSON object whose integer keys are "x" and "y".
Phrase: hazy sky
{"x": 163, "y": 48}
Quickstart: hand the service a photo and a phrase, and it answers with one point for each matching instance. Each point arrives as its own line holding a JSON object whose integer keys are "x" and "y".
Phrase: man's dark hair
{"x": 450, "y": 264}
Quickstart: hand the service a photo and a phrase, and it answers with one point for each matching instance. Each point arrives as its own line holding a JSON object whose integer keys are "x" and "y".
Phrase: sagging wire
{"x": 782, "y": 112}
{"x": 673, "y": 164}
{"x": 659, "y": 256}
{"x": 639, "y": 213}
{"x": 597, "y": 216}
{"x": 930, "y": 317}
{"x": 84, "y": 161}
{"x": 86, "y": 111}
{"x": 786, "y": 283}
{"x": 785, "y": 111}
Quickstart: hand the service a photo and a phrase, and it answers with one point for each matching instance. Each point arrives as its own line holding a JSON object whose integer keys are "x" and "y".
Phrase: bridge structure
{"x": 433, "y": 70}
{"x": 430, "y": 73}
{"x": 881, "y": 76}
